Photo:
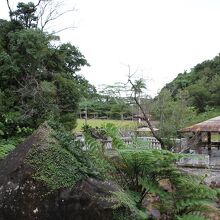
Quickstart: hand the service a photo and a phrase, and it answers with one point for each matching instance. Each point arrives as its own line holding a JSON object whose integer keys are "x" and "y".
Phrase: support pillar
{"x": 209, "y": 142}
{"x": 199, "y": 139}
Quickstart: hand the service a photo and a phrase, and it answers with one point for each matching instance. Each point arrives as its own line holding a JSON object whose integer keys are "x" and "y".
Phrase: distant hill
{"x": 202, "y": 84}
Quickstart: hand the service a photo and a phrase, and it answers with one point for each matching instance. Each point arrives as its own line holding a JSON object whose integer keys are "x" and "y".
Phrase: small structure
{"x": 204, "y": 131}
{"x": 204, "y": 138}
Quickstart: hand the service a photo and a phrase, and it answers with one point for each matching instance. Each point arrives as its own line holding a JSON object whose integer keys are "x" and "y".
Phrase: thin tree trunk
{"x": 149, "y": 124}
{"x": 146, "y": 118}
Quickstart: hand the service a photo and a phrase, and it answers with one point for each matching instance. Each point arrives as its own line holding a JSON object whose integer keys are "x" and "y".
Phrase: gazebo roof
{"x": 211, "y": 125}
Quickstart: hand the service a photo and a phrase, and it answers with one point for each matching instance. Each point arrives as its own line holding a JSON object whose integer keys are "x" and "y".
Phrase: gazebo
{"x": 203, "y": 132}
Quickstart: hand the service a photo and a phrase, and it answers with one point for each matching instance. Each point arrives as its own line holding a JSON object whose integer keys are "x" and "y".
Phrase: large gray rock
{"x": 23, "y": 197}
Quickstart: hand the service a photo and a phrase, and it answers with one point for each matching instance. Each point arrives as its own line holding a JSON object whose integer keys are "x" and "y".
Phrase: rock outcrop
{"x": 25, "y": 197}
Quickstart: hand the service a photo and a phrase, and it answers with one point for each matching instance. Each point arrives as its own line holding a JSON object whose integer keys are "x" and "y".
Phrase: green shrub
{"x": 5, "y": 149}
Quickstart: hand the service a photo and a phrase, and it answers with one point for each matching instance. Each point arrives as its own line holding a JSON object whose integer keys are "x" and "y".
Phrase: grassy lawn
{"x": 215, "y": 137}
{"x": 124, "y": 124}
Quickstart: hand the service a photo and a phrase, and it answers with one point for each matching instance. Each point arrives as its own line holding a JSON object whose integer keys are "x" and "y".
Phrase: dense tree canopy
{"x": 202, "y": 83}
{"x": 38, "y": 75}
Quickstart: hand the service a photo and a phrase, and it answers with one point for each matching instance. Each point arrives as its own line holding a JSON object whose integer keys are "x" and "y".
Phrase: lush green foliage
{"x": 25, "y": 14}
{"x": 6, "y": 146}
{"x": 99, "y": 163}
{"x": 190, "y": 98}
{"x": 171, "y": 114}
{"x": 103, "y": 106}
{"x": 35, "y": 86}
{"x": 38, "y": 75}
{"x": 5, "y": 149}
{"x": 149, "y": 176}
{"x": 60, "y": 160}
{"x": 126, "y": 199}
{"x": 38, "y": 80}
{"x": 145, "y": 170}
{"x": 56, "y": 167}
{"x": 175, "y": 114}
{"x": 109, "y": 102}
{"x": 202, "y": 83}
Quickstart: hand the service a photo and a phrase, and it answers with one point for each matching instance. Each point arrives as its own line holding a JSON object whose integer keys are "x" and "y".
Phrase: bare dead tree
{"x": 9, "y": 8}
{"x": 38, "y": 3}
{"x": 48, "y": 11}
{"x": 136, "y": 98}
{"x": 51, "y": 10}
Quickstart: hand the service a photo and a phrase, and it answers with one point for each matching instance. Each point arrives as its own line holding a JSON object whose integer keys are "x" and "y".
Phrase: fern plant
{"x": 150, "y": 173}
{"x": 98, "y": 162}
{"x": 7, "y": 145}
{"x": 5, "y": 149}
{"x": 112, "y": 132}
{"x": 128, "y": 199}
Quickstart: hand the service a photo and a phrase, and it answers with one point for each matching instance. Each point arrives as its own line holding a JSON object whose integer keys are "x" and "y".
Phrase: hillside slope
{"x": 202, "y": 84}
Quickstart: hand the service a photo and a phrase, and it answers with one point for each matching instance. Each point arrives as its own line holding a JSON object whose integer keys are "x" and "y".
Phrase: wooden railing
{"x": 150, "y": 142}
{"x": 195, "y": 160}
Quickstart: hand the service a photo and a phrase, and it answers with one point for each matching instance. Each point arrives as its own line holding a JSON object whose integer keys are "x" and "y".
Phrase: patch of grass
{"x": 120, "y": 124}
{"x": 215, "y": 137}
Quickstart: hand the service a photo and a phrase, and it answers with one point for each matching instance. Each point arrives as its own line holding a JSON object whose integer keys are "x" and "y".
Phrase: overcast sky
{"x": 161, "y": 37}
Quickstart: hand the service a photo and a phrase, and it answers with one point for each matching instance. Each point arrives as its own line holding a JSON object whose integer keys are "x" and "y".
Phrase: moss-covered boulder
{"x": 41, "y": 179}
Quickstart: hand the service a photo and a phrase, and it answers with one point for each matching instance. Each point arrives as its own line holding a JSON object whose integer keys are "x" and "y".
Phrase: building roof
{"x": 211, "y": 125}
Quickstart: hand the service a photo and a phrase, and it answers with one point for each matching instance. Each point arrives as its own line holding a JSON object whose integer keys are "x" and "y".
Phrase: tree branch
{"x": 146, "y": 119}
{"x": 37, "y": 4}
{"x": 143, "y": 195}
{"x": 10, "y": 11}
{"x": 49, "y": 12}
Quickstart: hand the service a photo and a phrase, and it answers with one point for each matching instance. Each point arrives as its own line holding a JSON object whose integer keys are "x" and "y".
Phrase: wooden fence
{"x": 150, "y": 142}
